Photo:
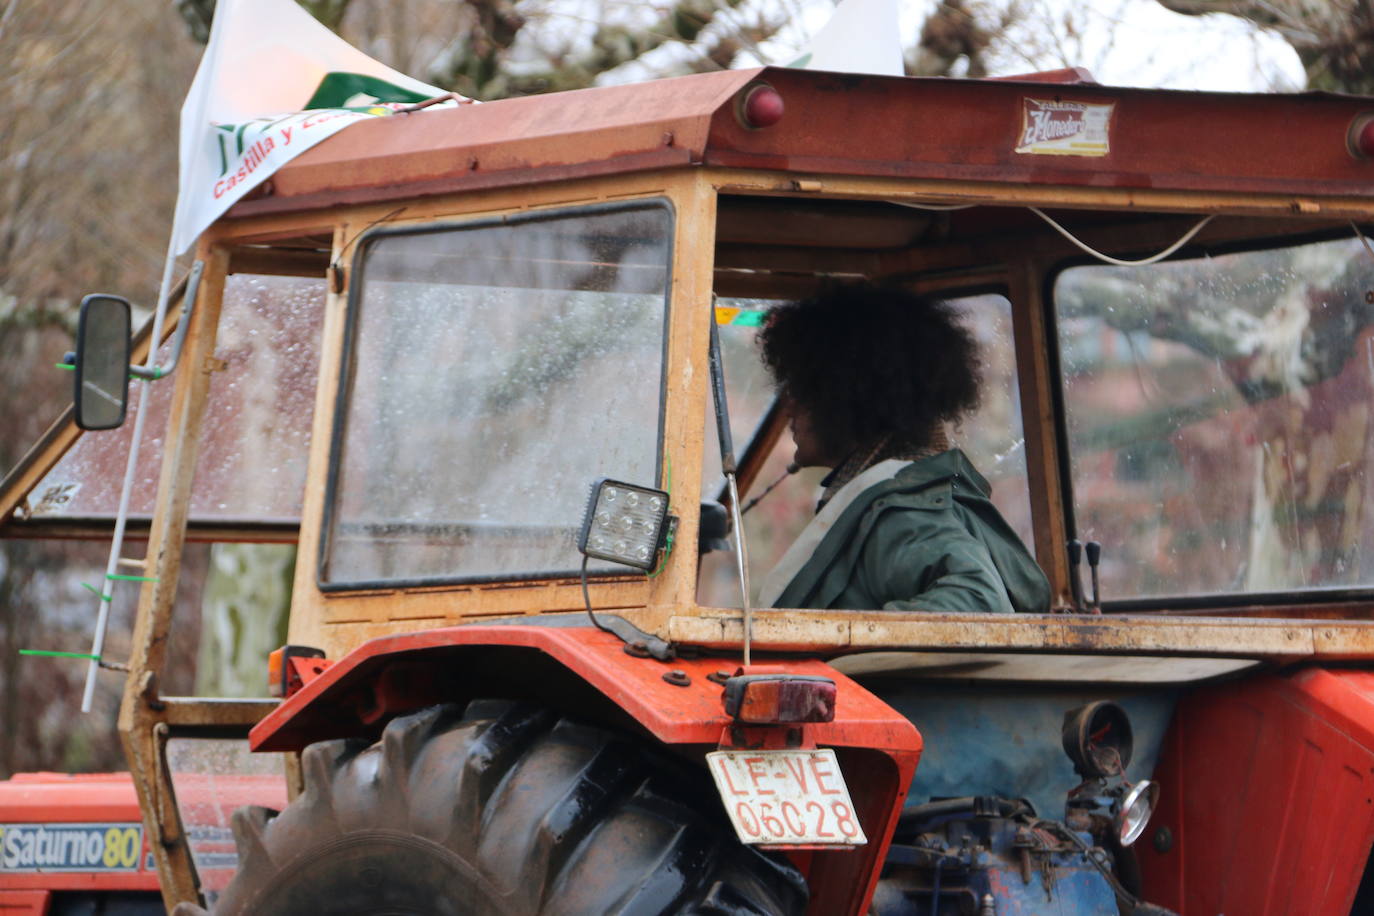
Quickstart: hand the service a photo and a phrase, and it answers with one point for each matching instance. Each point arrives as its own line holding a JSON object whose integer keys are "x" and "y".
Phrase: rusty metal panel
{"x": 214, "y": 714}
{"x": 802, "y": 630}
{"x": 970, "y": 130}
{"x": 513, "y": 141}
{"x": 894, "y": 127}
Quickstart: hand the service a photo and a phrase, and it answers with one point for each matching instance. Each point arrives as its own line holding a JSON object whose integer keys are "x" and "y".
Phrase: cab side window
{"x": 992, "y": 438}
{"x": 1218, "y": 414}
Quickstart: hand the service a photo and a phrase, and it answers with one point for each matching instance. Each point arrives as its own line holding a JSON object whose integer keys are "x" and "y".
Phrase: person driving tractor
{"x": 871, "y": 375}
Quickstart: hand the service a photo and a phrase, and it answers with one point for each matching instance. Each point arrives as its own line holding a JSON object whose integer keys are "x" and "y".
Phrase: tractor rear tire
{"x": 502, "y": 808}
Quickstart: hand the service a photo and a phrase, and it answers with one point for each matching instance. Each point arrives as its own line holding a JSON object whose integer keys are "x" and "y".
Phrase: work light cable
{"x": 587, "y": 599}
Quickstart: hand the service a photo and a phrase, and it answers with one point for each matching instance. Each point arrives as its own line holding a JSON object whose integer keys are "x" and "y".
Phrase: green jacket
{"x": 928, "y": 539}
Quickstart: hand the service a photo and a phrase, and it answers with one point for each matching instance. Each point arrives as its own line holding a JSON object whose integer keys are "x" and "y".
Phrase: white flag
{"x": 273, "y": 82}
{"x": 861, "y": 37}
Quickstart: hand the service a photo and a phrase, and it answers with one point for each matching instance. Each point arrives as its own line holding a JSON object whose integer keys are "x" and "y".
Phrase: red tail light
{"x": 760, "y": 106}
{"x": 776, "y": 699}
{"x": 1360, "y": 139}
{"x": 292, "y": 667}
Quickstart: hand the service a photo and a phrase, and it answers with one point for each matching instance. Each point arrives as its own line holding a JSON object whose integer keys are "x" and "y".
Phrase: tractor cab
{"x": 494, "y": 373}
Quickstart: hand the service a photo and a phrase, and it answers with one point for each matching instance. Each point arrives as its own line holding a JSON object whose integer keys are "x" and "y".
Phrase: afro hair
{"x": 869, "y": 362}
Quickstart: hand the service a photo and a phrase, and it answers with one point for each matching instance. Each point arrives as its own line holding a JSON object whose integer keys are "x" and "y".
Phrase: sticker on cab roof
{"x": 1051, "y": 127}
{"x": 69, "y": 847}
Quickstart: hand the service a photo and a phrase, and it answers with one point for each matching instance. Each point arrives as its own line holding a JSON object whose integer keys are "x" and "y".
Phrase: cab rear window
{"x": 1218, "y": 420}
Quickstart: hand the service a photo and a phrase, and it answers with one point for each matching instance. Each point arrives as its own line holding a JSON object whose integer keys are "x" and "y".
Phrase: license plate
{"x": 786, "y": 798}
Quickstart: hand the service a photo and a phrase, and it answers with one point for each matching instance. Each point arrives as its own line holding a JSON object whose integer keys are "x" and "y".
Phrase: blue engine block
{"x": 992, "y": 857}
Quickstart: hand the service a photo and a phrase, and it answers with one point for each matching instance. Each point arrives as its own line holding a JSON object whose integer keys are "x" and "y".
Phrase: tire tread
{"x": 546, "y": 815}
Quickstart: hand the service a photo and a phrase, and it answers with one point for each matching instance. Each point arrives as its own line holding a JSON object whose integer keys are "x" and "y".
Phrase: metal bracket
{"x": 153, "y": 372}
{"x": 636, "y": 641}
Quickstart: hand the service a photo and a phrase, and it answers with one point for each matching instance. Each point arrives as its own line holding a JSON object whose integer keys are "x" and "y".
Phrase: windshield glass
{"x": 1219, "y": 419}
{"x": 494, "y": 371}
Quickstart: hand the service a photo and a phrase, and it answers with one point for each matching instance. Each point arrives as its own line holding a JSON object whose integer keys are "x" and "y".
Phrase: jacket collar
{"x": 937, "y": 468}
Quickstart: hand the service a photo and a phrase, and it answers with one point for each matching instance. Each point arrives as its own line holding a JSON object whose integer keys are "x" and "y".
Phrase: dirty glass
{"x": 213, "y": 777}
{"x": 991, "y": 437}
{"x": 255, "y": 438}
{"x": 497, "y": 369}
{"x": 1219, "y": 419}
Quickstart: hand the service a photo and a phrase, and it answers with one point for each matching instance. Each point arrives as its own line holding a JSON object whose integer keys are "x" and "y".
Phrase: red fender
{"x": 877, "y": 748}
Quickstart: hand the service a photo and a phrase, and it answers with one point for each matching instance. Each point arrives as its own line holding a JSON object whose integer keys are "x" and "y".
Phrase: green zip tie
{"x": 667, "y": 552}
{"x": 68, "y": 366}
{"x": 97, "y": 592}
{"x": 668, "y": 542}
{"x": 51, "y": 654}
{"x": 119, "y": 577}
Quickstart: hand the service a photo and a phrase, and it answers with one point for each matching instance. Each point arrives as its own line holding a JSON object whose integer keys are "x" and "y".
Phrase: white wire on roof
{"x": 1187, "y": 236}
{"x": 936, "y": 207}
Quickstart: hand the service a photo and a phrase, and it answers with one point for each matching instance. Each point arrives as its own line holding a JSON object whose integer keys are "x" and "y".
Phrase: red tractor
{"x": 501, "y": 694}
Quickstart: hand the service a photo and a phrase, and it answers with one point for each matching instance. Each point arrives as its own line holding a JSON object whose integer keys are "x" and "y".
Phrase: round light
{"x": 655, "y": 503}
{"x": 1097, "y": 738}
{"x": 1360, "y": 139}
{"x": 611, "y": 494}
{"x": 632, "y": 499}
{"x": 1135, "y": 811}
{"x": 642, "y": 552}
{"x": 603, "y": 517}
{"x": 761, "y": 107}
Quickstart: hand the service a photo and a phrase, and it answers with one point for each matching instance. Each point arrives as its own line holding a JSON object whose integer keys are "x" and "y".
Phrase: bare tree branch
{"x": 952, "y": 33}
{"x": 1334, "y": 38}
{"x": 476, "y": 65}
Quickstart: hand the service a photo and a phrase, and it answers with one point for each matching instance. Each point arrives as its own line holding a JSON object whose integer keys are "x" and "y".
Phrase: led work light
{"x": 625, "y": 524}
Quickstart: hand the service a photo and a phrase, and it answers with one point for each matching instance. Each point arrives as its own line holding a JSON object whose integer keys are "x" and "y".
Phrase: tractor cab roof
{"x": 965, "y": 130}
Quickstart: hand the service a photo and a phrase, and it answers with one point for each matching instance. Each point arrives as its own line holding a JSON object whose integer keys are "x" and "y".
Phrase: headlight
{"x": 1097, "y": 738}
{"x": 1135, "y": 811}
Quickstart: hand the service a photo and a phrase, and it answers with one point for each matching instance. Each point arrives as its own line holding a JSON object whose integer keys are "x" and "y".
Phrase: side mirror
{"x": 102, "y": 362}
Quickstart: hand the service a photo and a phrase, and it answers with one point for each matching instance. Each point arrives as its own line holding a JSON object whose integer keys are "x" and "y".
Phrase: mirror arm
{"x": 153, "y": 372}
